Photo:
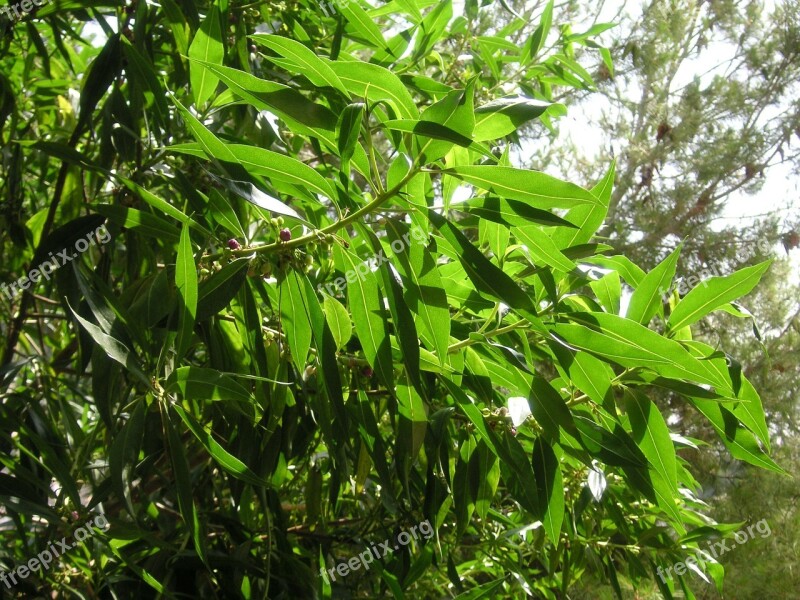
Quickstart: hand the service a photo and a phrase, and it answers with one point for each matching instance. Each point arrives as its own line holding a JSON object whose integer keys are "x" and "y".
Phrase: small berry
{"x": 513, "y": 431}
{"x": 367, "y": 372}
{"x": 234, "y": 245}
{"x": 285, "y": 235}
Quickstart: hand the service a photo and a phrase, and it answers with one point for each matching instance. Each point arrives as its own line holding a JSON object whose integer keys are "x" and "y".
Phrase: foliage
{"x": 302, "y": 338}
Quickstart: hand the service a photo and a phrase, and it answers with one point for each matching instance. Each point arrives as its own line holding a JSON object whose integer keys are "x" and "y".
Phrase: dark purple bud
{"x": 234, "y": 245}
{"x": 367, "y": 372}
{"x": 285, "y": 235}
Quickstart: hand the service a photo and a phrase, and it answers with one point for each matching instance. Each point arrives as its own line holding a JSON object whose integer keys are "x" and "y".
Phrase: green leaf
{"x": 537, "y": 40}
{"x": 376, "y": 83}
{"x": 622, "y": 265}
{"x": 750, "y": 412}
{"x": 142, "y": 69}
{"x": 713, "y": 293}
{"x": 550, "y": 488}
{"x": 125, "y": 449}
{"x": 543, "y": 249}
{"x": 510, "y": 212}
{"x": 338, "y": 321}
{"x": 740, "y": 442}
{"x": 294, "y": 319}
{"x": 648, "y": 296}
{"x": 349, "y": 128}
{"x": 629, "y": 344}
{"x": 539, "y": 189}
{"x": 141, "y": 222}
{"x": 186, "y": 282}
{"x": 366, "y": 306}
{"x": 259, "y": 161}
{"x": 206, "y": 46}
{"x": 223, "y": 213}
{"x": 200, "y": 384}
{"x": 115, "y": 349}
{"x": 456, "y": 113}
{"x": 587, "y": 218}
{"x": 363, "y": 25}
{"x": 483, "y": 476}
{"x": 651, "y": 434}
{"x": 183, "y": 483}
{"x": 424, "y": 290}
{"x": 300, "y": 114}
{"x": 505, "y": 115}
{"x": 163, "y": 205}
{"x": 414, "y": 417}
{"x": 608, "y": 290}
{"x": 224, "y": 459}
{"x": 486, "y": 276}
{"x": 216, "y": 292}
{"x": 308, "y": 64}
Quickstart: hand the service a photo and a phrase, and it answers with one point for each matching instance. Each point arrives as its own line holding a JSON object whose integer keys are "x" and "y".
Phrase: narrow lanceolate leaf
{"x": 259, "y": 161}
{"x": 587, "y": 218}
{"x": 369, "y": 316}
{"x": 456, "y": 113}
{"x": 537, "y": 40}
{"x": 539, "y": 189}
{"x": 214, "y": 148}
{"x": 543, "y": 249}
{"x": 124, "y": 450}
{"x": 647, "y": 299}
{"x": 304, "y": 60}
{"x": 206, "y": 46}
{"x": 363, "y": 25}
{"x": 200, "y": 383}
{"x": 740, "y": 442}
{"x": 376, "y": 83}
{"x": 713, "y": 293}
{"x": 608, "y": 290}
{"x": 487, "y": 277}
{"x": 651, "y": 434}
{"x": 349, "y": 129}
{"x": 412, "y": 411}
{"x": 483, "y": 476}
{"x": 216, "y": 292}
{"x": 163, "y": 206}
{"x": 338, "y": 320}
{"x": 294, "y": 319}
{"x": 183, "y": 484}
{"x": 511, "y": 212}
{"x": 750, "y": 412}
{"x": 501, "y": 117}
{"x": 186, "y": 282}
{"x": 300, "y": 114}
{"x": 631, "y": 345}
{"x": 550, "y": 488}
{"x": 223, "y": 458}
{"x": 115, "y": 349}
{"x": 425, "y": 294}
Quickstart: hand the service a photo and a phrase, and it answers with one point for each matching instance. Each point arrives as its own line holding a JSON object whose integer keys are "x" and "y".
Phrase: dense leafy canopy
{"x": 333, "y": 306}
